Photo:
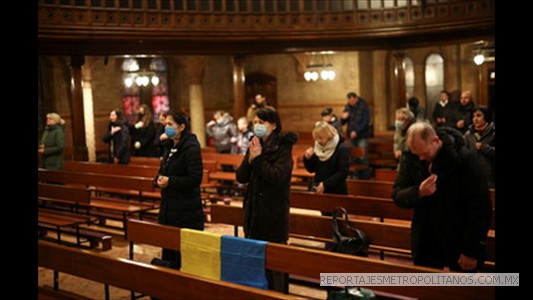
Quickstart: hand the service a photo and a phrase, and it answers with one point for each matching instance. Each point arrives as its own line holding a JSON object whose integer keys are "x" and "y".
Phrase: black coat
{"x": 332, "y": 172}
{"x": 118, "y": 143}
{"x": 455, "y": 219}
{"x": 181, "y": 204}
{"x": 487, "y": 151}
{"x": 146, "y": 136}
{"x": 266, "y": 203}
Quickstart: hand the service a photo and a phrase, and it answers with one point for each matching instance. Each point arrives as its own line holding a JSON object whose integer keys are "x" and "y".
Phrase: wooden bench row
{"x": 68, "y": 221}
{"x": 310, "y": 263}
{"x": 383, "y": 236}
{"x": 120, "y": 209}
{"x": 356, "y": 205}
{"x": 148, "y": 279}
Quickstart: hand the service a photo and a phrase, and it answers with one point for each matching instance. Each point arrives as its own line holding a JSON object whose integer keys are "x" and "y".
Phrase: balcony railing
{"x": 241, "y": 19}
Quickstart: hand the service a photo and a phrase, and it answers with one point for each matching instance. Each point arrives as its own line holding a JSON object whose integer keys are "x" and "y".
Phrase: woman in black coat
{"x": 117, "y": 136}
{"x": 179, "y": 178}
{"x": 267, "y": 168}
{"x": 328, "y": 159}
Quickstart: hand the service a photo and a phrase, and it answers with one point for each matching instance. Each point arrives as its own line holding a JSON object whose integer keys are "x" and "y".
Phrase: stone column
{"x": 382, "y": 100}
{"x": 239, "y": 108}
{"x": 88, "y": 108}
{"x": 76, "y": 107}
{"x": 194, "y": 70}
{"x": 399, "y": 76}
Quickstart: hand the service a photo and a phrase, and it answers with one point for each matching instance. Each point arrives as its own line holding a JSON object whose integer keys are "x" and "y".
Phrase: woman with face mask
{"x": 267, "y": 168}
{"x": 404, "y": 119}
{"x": 179, "y": 178}
{"x": 329, "y": 160}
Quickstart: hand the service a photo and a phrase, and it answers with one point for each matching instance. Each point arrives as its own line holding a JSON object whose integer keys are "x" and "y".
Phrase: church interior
{"x": 205, "y": 56}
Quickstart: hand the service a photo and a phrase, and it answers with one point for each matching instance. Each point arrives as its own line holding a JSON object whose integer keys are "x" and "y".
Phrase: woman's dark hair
{"x": 413, "y": 102}
{"x": 181, "y": 118}
{"x": 120, "y": 115}
{"x": 326, "y": 112}
{"x": 487, "y": 114}
{"x": 271, "y": 116}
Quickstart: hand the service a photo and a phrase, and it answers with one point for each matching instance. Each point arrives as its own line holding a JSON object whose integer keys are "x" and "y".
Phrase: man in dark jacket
{"x": 442, "y": 181}
{"x": 267, "y": 168}
{"x": 357, "y": 117}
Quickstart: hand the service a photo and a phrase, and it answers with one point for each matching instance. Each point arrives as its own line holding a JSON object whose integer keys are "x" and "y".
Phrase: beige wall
{"x": 300, "y": 102}
{"x": 367, "y": 73}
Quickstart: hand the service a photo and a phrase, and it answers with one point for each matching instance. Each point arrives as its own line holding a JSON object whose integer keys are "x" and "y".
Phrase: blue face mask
{"x": 170, "y": 131}
{"x": 260, "y": 130}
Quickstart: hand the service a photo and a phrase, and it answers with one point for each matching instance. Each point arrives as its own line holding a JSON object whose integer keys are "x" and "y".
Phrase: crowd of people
{"x": 446, "y": 166}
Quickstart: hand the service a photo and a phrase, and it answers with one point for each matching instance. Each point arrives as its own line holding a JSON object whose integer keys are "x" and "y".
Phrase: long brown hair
{"x": 147, "y": 117}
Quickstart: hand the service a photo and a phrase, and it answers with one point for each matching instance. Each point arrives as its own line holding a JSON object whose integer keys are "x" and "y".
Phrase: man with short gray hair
{"x": 442, "y": 181}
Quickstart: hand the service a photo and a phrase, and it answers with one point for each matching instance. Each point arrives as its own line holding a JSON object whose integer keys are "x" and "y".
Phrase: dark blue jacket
{"x": 359, "y": 119}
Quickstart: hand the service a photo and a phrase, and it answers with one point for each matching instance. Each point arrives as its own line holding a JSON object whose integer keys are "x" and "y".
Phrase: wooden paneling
{"x": 179, "y": 29}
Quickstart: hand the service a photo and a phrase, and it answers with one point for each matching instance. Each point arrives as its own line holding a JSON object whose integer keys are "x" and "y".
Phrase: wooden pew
{"x": 223, "y": 159}
{"x": 385, "y": 175}
{"x": 357, "y": 205}
{"x": 147, "y": 161}
{"x": 120, "y": 209}
{"x": 117, "y": 169}
{"x": 310, "y": 263}
{"x": 382, "y": 235}
{"x": 68, "y": 222}
{"x": 139, "y": 184}
{"x": 383, "y": 189}
{"x": 372, "y": 188}
{"x": 148, "y": 279}
{"x": 111, "y": 169}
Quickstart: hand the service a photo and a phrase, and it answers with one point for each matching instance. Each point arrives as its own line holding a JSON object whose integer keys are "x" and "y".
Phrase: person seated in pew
{"x": 329, "y": 160}
{"x": 267, "y": 168}
{"x": 179, "y": 178}
{"x": 442, "y": 181}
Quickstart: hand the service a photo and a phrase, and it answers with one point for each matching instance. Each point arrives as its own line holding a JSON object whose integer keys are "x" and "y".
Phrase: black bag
{"x": 352, "y": 293}
{"x": 354, "y": 245}
{"x": 164, "y": 263}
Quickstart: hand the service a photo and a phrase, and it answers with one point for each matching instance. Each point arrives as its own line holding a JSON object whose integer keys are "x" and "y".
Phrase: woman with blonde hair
{"x": 328, "y": 159}
{"x": 53, "y": 142}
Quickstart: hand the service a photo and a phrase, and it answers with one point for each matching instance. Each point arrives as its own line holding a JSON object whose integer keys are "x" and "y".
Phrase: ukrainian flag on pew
{"x": 227, "y": 258}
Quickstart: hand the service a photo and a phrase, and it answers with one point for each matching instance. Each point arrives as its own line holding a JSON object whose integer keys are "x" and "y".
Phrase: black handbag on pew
{"x": 355, "y": 244}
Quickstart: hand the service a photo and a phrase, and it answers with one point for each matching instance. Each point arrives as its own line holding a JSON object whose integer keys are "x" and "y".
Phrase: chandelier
{"x": 324, "y": 72}
{"x": 134, "y": 75}
{"x": 483, "y": 52}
